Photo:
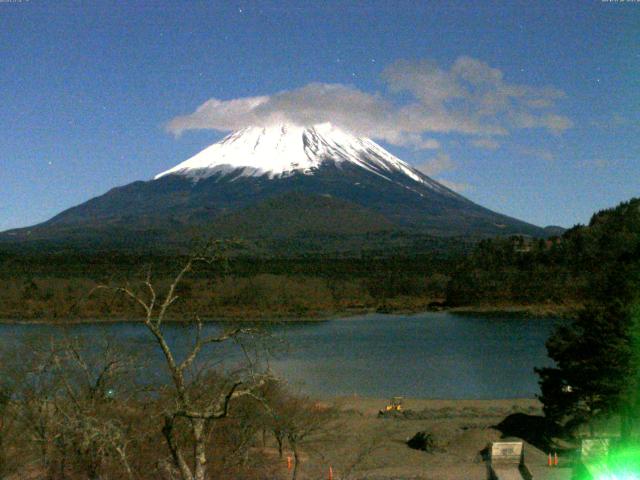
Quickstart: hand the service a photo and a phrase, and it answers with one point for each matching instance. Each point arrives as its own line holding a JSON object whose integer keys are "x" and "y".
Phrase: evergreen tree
{"x": 597, "y": 372}
{"x": 594, "y": 367}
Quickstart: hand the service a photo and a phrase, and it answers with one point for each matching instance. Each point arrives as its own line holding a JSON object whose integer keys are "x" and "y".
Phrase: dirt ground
{"x": 359, "y": 445}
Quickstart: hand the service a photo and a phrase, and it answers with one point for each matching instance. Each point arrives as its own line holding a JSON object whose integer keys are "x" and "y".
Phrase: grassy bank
{"x": 259, "y": 297}
{"x": 517, "y": 310}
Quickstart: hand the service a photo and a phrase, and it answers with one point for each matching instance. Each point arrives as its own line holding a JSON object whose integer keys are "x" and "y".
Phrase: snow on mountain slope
{"x": 321, "y": 180}
{"x": 282, "y": 150}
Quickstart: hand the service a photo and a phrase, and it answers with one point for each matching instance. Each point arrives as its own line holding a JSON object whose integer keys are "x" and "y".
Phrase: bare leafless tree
{"x": 25, "y": 366}
{"x": 190, "y": 403}
{"x": 6, "y": 423}
{"x": 295, "y": 419}
{"x": 88, "y": 378}
{"x": 69, "y": 423}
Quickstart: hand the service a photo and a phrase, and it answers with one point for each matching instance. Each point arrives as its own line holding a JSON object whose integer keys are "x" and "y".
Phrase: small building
{"x": 507, "y": 462}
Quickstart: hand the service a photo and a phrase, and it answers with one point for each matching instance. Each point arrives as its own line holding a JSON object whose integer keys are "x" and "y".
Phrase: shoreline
{"x": 371, "y": 405}
{"x": 539, "y": 310}
{"x": 519, "y": 311}
{"x": 368, "y": 446}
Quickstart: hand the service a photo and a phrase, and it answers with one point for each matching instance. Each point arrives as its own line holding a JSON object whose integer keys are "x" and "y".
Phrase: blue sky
{"x": 534, "y": 107}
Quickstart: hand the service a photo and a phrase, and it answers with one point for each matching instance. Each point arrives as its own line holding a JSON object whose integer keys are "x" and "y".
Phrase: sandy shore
{"x": 359, "y": 445}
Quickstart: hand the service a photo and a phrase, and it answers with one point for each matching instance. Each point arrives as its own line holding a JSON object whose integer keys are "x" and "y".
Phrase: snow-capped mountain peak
{"x": 281, "y": 182}
{"x": 285, "y": 149}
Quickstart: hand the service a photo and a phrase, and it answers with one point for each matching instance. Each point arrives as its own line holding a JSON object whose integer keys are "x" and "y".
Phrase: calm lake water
{"x": 429, "y": 355}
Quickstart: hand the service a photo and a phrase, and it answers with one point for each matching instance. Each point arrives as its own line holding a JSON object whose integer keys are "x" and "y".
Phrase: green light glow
{"x": 618, "y": 476}
{"x": 621, "y": 464}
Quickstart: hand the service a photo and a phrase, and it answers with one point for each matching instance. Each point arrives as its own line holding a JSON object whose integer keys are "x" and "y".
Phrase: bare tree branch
{"x": 191, "y": 403}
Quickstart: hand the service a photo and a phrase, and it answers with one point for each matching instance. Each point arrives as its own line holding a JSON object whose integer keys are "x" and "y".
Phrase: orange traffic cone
{"x": 330, "y": 473}
{"x": 289, "y": 462}
{"x": 555, "y": 459}
{"x": 549, "y": 460}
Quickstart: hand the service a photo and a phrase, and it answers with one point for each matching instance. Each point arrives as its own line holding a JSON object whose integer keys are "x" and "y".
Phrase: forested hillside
{"x": 542, "y": 276}
{"x": 559, "y": 270}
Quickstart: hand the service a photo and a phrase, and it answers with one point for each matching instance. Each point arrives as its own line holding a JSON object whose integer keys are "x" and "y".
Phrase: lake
{"x": 429, "y": 355}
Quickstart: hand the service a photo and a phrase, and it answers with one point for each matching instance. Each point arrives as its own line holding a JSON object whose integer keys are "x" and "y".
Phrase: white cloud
{"x": 456, "y": 186}
{"x": 554, "y": 123}
{"x": 428, "y": 144}
{"x": 475, "y": 95}
{"x": 599, "y": 163}
{"x": 538, "y": 153}
{"x": 440, "y": 163}
{"x": 487, "y": 143}
{"x": 614, "y": 121}
{"x": 356, "y": 111}
{"x": 539, "y": 103}
{"x": 470, "y": 98}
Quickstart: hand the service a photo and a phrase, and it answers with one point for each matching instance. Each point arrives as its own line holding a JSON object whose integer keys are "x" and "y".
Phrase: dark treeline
{"x": 58, "y": 286}
{"x": 107, "y": 264}
{"x": 566, "y": 270}
{"x": 550, "y": 276}
{"x": 518, "y": 271}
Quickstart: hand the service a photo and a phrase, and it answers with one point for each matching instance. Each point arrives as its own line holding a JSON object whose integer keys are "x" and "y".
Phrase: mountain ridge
{"x": 369, "y": 186}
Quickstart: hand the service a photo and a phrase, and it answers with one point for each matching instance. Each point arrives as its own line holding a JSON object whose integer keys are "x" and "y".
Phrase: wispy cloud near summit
{"x": 470, "y": 98}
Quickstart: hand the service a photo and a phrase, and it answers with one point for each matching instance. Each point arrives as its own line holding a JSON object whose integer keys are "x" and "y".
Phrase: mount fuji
{"x": 278, "y": 181}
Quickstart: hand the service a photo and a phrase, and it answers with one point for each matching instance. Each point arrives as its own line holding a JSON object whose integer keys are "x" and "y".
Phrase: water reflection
{"x": 431, "y": 355}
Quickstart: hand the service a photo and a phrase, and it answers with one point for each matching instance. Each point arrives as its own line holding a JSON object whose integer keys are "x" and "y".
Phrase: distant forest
{"x": 549, "y": 276}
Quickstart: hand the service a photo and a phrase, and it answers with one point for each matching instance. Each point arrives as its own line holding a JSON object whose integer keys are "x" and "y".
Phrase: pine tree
{"x": 597, "y": 372}
{"x": 594, "y": 364}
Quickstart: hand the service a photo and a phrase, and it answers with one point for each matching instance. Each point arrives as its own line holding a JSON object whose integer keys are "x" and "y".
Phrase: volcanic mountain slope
{"x": 258, "y": 177}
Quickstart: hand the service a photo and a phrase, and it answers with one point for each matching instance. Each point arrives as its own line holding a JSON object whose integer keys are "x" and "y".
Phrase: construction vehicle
{"x": 394, "y": 405}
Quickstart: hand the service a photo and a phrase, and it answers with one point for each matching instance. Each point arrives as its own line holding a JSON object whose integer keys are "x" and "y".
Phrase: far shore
{"x": 510, "y": 310}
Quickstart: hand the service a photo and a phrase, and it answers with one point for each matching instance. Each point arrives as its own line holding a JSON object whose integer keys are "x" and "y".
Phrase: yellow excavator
{"x": 394, "y": 405}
